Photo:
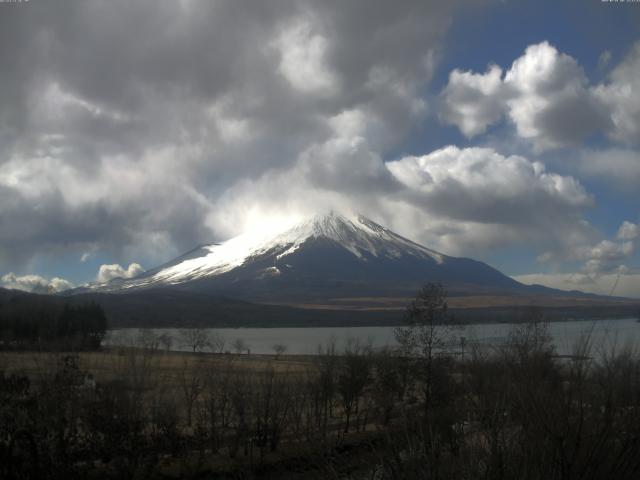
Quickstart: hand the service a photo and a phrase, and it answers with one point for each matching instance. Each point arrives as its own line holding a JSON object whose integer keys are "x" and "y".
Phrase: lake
{"x": 305, "y": 341}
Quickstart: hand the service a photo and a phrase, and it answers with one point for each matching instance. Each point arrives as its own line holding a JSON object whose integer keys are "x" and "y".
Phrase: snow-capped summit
{"x": 330, "y": 254}
{"x": 357, "y": 234}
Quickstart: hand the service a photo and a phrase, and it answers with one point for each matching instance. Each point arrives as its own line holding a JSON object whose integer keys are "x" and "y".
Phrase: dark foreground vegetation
{"x": 423, "y": 411}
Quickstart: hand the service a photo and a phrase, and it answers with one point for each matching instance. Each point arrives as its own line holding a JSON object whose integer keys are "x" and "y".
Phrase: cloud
{"x": 129, "y": 141}
{"x": 35, "y": 283}
{"x": 604, "y": 59}
{"x": 621, "y": 165}
{"x": 628, "y": 231}
{"x": 548, "y": 98}
{"x": 457, "y": 200}
{"x": 551, "y": 103}
{"x": 323, "y": 166}
{"x": 302, "y": 58}
{"x": 477, "y": 198}
{"x": 480, "y": 184}
{"x": 109, "y": 272}
{"x": 620, "y": 94}
{"x": 605, "y": 257}
{"x": 601, "y": 258}
{"x": 473, "y": 101}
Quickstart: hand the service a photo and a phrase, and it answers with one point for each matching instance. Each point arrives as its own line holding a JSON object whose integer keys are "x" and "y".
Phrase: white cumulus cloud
{"x": 628, "y": 231}
{"x": 600, "y": 258}
{"x": 473, "y": 101}
{"x": 551, "y": 103}
{"x": 109, "y": 272}
{"x": 35, "y": 283}
{"x": 606, "y": 256}
{"x": 548, "y": 98}
{"x": 483, "y": 185}
{"x": 622, "y": 96}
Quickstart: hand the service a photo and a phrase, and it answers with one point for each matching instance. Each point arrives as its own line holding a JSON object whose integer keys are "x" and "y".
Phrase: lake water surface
{"x": 305, "y": 341}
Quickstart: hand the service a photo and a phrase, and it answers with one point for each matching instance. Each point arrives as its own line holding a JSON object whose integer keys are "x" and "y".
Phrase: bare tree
{"x": 198, "y": 339}
{"x": 325, "y": 383}
{"x": 217, "y": 342}
{"x": 218, "y": 406}
{"x": 354, "y": 376}
{"x": 148, "y": 339}
{"x": 192, "y": 385}
{"x": 166, "y": 340}
{"x": 241, "y": 389}
{"x": 389, "y": 383}
{"x": 279, "y": 349}
{"x": 530, "y": 339}
{"x": 429, "y": 332}
{"x": 271, "y": 403}
{"x": 239, "y": 345}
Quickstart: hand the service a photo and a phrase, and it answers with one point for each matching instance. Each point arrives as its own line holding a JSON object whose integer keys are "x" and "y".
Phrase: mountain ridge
{"x": 325, "y": 270}
{"x": 331, "y": 249}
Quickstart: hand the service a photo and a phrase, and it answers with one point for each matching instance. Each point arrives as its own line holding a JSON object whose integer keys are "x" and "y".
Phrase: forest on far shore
{"x": 30, "y": 322}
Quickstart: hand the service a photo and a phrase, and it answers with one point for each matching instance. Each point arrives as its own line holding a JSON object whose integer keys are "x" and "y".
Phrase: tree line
{"x": 33, "y": 323}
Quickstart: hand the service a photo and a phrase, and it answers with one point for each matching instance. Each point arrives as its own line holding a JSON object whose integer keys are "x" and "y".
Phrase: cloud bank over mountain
{"x": 130, "y": 121}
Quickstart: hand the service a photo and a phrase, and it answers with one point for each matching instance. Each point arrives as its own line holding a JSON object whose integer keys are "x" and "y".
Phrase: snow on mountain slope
{"x": 358, "y": 235}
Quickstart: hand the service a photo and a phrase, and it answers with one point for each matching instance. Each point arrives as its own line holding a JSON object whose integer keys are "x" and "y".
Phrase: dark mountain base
{"x": 181, "y": 309}
{"x": 166, "y": 308}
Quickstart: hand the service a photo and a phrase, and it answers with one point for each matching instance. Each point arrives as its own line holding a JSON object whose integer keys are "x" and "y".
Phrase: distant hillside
{"x": 175, "y": 308}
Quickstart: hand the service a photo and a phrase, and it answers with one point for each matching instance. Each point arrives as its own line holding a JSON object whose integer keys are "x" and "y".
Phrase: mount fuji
{"x": 324, "y": 256}
{"x": 328, "y": 270}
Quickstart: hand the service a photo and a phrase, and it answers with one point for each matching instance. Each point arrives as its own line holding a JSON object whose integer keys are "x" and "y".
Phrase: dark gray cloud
{"x": 139, "y": 129}
{"x": 619, "y": 166}
{"x": 123, "y": 125}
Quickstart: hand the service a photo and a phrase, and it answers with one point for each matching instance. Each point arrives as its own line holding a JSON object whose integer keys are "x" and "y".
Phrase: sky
{"x": 505, "y": 131}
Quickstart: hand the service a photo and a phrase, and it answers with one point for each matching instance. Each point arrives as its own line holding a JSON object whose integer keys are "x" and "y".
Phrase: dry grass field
{"x": 160, "y": 367}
